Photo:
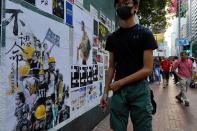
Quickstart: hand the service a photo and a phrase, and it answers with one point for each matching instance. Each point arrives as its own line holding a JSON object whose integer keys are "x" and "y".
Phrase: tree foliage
{"x": 152, "y": 14}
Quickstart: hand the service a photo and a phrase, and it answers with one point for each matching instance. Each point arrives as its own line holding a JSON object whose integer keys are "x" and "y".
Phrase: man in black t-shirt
{"x": 131, "y": 57}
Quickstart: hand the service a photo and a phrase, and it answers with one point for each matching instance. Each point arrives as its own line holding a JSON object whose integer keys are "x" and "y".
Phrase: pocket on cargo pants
{"x": 119, "y": 112}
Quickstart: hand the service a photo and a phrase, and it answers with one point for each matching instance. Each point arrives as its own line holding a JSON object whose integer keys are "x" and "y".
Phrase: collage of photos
{"x": 37, "y": 88}
{"x": 84, "y": 75}
{"x": 45, "y": 84}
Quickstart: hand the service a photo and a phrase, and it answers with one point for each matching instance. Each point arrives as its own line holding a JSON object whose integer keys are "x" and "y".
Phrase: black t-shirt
{"x": 128, "y": 46}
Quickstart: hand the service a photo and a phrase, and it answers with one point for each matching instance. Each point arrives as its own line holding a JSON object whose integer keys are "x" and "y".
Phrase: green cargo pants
{"x": 133, "y": 100}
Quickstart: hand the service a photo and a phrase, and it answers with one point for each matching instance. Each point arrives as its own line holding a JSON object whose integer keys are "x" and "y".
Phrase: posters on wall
{"x": 45, "y": 5}
{"x": 58, "y": 8}
{"x": 82, "y": 37}
{"x": 39, "y": 78}
{"x": 55, "y": 7}
{"x": 37, "y": 59}
{"x": 68, "y": 13}
{"x": 78, "y": 100}
{"x": 103, "y": 33}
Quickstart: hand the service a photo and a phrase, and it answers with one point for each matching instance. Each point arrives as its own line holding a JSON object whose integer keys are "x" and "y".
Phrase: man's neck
{"x": 127, "y": 23}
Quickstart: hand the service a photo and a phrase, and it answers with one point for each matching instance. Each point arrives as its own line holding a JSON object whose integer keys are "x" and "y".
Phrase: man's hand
{"x": 104, "y": 101}
{"x": 116, "y": 86}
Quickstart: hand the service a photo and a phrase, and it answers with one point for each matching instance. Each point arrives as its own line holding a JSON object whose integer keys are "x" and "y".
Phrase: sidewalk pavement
{"x": 171, "y": 115}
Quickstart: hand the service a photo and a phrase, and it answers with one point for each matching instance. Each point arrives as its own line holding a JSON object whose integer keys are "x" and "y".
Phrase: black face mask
{"x": 124, "y": 12}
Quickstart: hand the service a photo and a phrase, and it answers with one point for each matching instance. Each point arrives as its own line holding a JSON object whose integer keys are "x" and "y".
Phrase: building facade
{"x": 192, "y": 26}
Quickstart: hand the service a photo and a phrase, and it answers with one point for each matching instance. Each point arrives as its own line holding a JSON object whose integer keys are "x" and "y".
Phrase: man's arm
{"x": 139, "y": 75}
{"x": 110, "y": 73}
{"x": 174, "y": 66}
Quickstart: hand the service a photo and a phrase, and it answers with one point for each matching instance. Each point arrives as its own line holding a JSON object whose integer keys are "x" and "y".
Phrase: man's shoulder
{"x": 190, "y": 61}
{"x": 144, "y": 30}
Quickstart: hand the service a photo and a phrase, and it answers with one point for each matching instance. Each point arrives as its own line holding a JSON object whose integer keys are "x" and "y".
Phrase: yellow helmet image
{"x": 51, "y": 60}
{"x": 41, "y": 72}
{"x": 40, "y": 112}
{"x": 24, "y": 70}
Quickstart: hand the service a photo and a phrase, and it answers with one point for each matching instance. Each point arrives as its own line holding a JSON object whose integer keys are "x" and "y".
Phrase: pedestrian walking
{"x": 157, "y": 69}
{"x": 165, "y": 67}
{"x": 131, "y": 57}
{"x": 185, "y": 69}
{"x": 175, "y": 59}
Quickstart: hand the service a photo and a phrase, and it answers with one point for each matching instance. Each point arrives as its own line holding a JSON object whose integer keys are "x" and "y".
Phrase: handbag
{"x": 154, "y": 104}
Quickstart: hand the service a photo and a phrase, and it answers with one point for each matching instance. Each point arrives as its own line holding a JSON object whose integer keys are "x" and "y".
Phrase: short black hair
{"x": 135, "y": 2}
{"x": 183, "y": 52}
{"x": 21, "y": 96}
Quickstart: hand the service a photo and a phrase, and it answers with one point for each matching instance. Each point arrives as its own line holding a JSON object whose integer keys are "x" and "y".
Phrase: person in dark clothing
{"x": 157, "y": 69}
{"x": 131, "y": 61}
{"x": 174, "y": 73}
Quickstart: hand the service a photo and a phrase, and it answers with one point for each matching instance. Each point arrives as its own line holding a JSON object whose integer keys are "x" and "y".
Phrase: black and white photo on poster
{"x": 94, "y": 55}
{"x": 78, "y": 99}
{"x": 83, "y": 75}
{"x": 58, "y": 8}
{"x": 95, "y": 72}
{"x": 95, "y": 41}
{"x": 91, "y": 93}
{"x": 45, "y": 5}
{"x": 100, "y": 73}
{"x": 75, "y": 76}
{"x": 64, "y": 113}
{"x": 36, "y": 84}
{"x": 90, "y": 75}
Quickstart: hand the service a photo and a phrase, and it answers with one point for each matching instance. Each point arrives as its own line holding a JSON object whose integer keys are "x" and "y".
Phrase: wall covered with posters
{"x": 45, "y": 84}
{"x": 37, "y": 57}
